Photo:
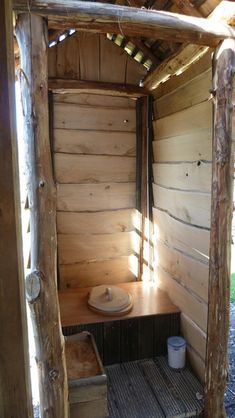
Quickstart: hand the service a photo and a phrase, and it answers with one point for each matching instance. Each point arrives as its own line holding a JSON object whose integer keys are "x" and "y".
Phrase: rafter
{"x": 109, "y": 18}
{"x": 188, "y": 54}
{"x": 187, "y": 8}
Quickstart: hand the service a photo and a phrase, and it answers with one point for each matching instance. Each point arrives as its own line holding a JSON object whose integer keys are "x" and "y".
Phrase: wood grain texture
{"x": 94, "y": 142}
{"x": 68, "y": 85}
{"x": 89, "y": 99}
{"x": 71, "y": 168}
{"x": 177, "y": 81}
{"x": 71, "y": 116}
{"x": 84, "y": 61}
{"x": 190, "y": 207}
{"x": 15, "y": 392}
{"x": 135, "y": 21}
{"x": 186, "y": 176}
{"x": 186, "y": 238}
{"x": 89, "y": 54}
{"x": 106, "y": 222}
{"x": 49, "y": 342}
{"x": 118, "y": 270}
{"x": 190, "y": 120}
{"x": 95, "y": 197}
{"x": 192, "y": 146}
{"x": 85, "y": 247}
{"x": 193, "y": 307}
{"x": 192, "y": 274}
{"x": 188, "y": 95}
{"x": 75, "y": 311}
{"x": 112, "y": 70}
{"x": 194, "y": 335}
{"x": 221, "y": 222}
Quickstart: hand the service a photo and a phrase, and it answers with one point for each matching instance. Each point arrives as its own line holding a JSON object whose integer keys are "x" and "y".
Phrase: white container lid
{"x": 176, "y": 342}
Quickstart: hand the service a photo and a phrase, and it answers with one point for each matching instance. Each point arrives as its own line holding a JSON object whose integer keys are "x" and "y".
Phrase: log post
{"x": 41, "y": 286}
{"x": 220, "y": 243}
{"x": 15, "y": 392}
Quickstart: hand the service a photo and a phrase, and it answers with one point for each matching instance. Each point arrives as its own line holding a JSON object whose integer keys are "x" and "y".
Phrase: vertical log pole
{"x": 220, "y": 244}
{"x": 15, "y": 393}
{"x": 41, "y": 287}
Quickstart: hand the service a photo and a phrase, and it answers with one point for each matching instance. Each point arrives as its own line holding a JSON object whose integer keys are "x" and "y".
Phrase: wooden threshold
{"x": 148, "y": 301}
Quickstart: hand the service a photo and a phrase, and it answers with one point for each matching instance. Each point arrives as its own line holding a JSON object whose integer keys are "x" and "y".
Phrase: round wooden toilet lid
{"x": 110, "y": 300}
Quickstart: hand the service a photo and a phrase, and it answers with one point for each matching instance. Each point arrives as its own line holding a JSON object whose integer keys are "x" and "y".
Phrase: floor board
{"x": 150, "y": 389}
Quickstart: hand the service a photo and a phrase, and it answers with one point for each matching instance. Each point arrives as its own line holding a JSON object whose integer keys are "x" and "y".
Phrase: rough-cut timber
{"x": 93, "y": 87}
{"x": 221, "y": 217}
{"x": 41, "y": 283}
{"x": 104, "y": 18}
{"x": 15, "y": 399}
{"x": 188, "y": 54}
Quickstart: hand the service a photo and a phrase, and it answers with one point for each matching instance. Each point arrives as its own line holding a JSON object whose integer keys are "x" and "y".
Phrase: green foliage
{"x": 233, "y": 287}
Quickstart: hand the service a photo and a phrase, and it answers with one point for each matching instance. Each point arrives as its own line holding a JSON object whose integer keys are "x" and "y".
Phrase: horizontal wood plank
{"x": 72, "y": 116}
{"x": 193, "y": 208}
{"x": 177, "y": 81}
{"x": 94, "y": 142}
{"x": 193, "y": 307}
{"x": 194, "y": 92}
{"x": 192, "y": 241}
{"x": 191, "y": 273}
{"x": 193, "y": 146}
{"x": 95, "y": 222}
{"x": 74, "y": 309}
{"x": 76, "y": 168}
{"x": 187, "y": 176}
{"x": 98, "y": 100}
{"x": 193, "y": 335}
{"x": 95, "y": 197}
{"x": 198, "y": 365}
{"x": 118, "y": 270}
{"x": 186, "y": 121}
{"x": 73, "y": 248}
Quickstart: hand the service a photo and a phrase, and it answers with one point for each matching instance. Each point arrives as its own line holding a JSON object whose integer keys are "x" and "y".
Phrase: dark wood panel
{"x": 111, "y": 342}
{"x": 131, "y": 339}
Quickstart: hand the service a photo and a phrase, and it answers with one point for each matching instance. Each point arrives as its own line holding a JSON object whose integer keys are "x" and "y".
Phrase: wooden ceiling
{"x": 148, "y": 51}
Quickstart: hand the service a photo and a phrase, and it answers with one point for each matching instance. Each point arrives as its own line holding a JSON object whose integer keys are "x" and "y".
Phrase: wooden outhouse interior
{"x": 96, "y": 170}
{"x": 131, "y": 122}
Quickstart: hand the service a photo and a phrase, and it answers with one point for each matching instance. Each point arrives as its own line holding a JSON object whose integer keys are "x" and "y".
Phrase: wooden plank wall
{"x": 182, "y": 150}
{"x": 87, "y": 56}
{"x": 94, "y": 143}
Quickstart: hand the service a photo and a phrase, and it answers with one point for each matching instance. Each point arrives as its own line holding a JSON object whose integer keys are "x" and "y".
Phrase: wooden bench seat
{"x": 142, "y": 333}
{"x": 148, "y": 301}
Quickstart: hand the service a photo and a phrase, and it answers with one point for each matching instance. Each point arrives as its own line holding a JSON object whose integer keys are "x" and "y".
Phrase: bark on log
{"x": 220, "y": 243}
{"x": 15, "y": 393}
{"x": 41, "y": 284}
{"x": 130, "y": 21}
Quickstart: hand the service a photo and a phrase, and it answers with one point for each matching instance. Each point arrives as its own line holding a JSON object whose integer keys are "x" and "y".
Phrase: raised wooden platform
{"x": 147, "y": 300}
{"x": 142, "y": 333}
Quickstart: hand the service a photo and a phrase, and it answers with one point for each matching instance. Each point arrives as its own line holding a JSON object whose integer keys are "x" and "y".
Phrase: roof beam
{"x": 104, "y": 18}
{"x": 187, "y": 8}
{"x": 59, "y": 85}
{"x": 187, "y": 54}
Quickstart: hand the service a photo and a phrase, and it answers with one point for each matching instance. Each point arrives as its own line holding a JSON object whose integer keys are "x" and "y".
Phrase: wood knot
{"x": 53, "y": 375}
{"x": 33, "y": 286}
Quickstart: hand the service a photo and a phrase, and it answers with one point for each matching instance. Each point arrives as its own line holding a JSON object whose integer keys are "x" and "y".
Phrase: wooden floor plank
{"x": 150, "y": 389}
{"x": 190, "y": 400}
